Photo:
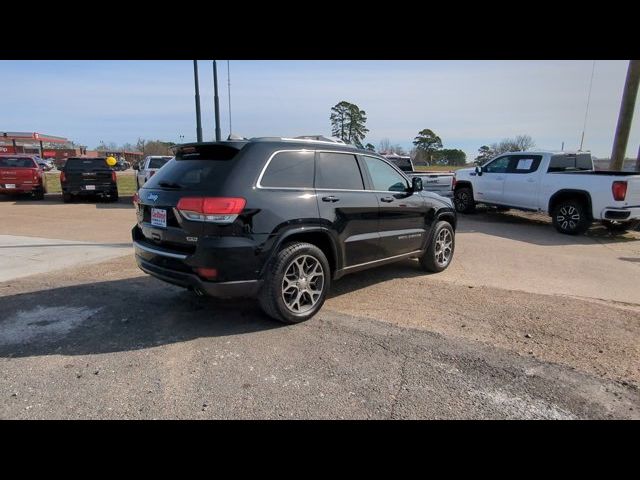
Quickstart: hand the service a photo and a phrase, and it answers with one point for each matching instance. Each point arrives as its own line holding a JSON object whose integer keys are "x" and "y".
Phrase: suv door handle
{"x": 330, "y": 198}
{"x": 386, "y": 199}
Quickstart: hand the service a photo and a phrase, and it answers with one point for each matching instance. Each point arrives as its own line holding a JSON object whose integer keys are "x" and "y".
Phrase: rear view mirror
{"x": 416, "y": 184}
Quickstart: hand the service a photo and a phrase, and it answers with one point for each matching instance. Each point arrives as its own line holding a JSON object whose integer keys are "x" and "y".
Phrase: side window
{"x": 499, "y": 165}
{"x": 289, "y": 169}
{"x": 338, "y": 170}
{"x": 524, "y": 163}
{"x": 385, "y": 178}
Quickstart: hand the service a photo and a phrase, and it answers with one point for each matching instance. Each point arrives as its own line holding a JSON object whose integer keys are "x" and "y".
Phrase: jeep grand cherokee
{"x": 281, "y": 218}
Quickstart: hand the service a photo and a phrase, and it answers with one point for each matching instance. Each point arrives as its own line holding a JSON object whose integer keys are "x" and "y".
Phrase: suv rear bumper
{"x": 243, "y": 288}
{"x": 81, "y": 190}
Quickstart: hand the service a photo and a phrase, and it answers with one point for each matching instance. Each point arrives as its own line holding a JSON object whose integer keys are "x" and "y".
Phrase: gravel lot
{"x": 525, "y": 324}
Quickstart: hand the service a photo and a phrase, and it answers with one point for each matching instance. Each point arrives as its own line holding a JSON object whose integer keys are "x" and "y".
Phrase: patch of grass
{"x": 126, "y": 183}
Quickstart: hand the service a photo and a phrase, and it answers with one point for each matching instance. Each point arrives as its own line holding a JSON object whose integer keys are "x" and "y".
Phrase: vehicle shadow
{"x": 360, "y": 280}
{"x": 124, "y": 201}
{"x": 122, "y": 315}
{"x": 534, "y": 228}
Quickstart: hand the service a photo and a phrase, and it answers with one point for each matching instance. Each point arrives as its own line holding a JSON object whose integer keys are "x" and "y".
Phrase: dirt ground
{"x": 515, "y": 286}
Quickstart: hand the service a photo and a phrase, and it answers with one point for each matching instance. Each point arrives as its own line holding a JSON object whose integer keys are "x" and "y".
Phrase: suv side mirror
{"x": 479, "y": 170}
{"x": 416, "y": 184}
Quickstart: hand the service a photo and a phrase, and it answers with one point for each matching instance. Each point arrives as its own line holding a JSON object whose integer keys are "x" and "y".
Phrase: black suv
{"x": 83, "y": 176}
{"x": 280, "y": 218}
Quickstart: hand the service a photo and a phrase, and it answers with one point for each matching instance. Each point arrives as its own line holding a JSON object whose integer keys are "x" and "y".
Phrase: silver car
{"x": 148, "y": 167}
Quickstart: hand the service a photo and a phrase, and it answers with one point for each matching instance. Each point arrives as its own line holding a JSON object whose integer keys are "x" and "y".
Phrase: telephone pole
{"x": 198, "y": 120}
{"x": 626, "y": 115}
{"x": 216, "y": 103}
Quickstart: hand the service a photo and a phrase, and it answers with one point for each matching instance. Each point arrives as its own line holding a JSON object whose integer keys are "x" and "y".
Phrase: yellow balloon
{"x": 111, "y": 161}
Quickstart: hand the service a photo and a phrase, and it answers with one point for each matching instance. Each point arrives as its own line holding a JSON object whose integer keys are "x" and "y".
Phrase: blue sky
{"x": 467, "y": 103}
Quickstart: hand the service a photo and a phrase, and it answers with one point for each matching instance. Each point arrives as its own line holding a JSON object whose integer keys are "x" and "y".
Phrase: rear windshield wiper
{"x": 169, "y": 184}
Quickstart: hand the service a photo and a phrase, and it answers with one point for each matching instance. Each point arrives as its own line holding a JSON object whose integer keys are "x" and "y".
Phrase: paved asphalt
{"x": 99, "y": 351}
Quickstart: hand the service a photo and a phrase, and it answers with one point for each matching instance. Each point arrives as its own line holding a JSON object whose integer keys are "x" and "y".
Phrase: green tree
{"x": 428, "y": 143}
{"x": 348, "y": 123}
{"x": 485, "y": 153}
{"x": 370, "y": 147}
{"x": 451, "y": 157}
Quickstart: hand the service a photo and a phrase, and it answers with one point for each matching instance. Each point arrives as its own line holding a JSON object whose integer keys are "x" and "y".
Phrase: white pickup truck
{"x": 563, "y": 184}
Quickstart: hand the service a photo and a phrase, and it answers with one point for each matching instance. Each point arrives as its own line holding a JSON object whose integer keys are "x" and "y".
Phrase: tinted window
{"x": 338, "y": 170}
{"x": 561, "y": 163}
{"x": 17, "y": 162}
{"x": 385, "y": 178}
{"x": 499, "y": 165}
{"x": 524, "y": 163}
{"x": 289, "y": 169}
{"x": 158, "y": 162}
{"x": 86, "y": 164}
{"x": 192, "y": 174}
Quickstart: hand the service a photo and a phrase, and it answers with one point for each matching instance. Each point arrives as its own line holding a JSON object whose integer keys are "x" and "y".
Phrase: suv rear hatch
{"x": 183, "y": 200}
{"x": 85, "y": 171}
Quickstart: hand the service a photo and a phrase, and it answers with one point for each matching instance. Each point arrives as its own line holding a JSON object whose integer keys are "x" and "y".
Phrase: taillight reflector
{"x": 63, "y": 177}
{"x": 619, "y": 189}
{"x": 211, "y": 209}
{"x": 114, "y": 177}
{"x": 207, "y": 273}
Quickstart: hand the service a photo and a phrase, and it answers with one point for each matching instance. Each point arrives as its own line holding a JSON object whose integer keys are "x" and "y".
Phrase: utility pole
{"x": 198, "y": 120}
{"x": 216, "y": 103}
{"x": 626, "y": 115}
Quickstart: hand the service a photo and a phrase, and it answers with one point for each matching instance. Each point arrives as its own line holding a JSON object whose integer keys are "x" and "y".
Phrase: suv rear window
{"x": 18, "y": 162}
{"x": 158, "y": 162}
{"x": 196, "y": 167}
{"x": 86, "y": 164}
{"x": 289, "y": 169}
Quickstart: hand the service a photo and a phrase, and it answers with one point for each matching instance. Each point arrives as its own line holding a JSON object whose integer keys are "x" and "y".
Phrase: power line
{"x": 584, "y": 126}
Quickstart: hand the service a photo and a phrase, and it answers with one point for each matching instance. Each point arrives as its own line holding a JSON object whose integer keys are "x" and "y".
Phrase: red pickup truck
{"x": 21, "y": 174}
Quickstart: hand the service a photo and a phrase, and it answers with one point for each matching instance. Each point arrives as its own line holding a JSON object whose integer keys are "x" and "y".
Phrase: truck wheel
{"x": 571, "y": 217}
{"x": 66, "y": 197}
{"x": 296, "y": 283}
{"x": 463, "y": 200}
{"x": 440, "y": 250}
{"x": 38, "y": 194}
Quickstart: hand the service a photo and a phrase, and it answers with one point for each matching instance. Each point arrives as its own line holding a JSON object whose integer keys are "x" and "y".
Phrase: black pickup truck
{"x": 88, "y": 177}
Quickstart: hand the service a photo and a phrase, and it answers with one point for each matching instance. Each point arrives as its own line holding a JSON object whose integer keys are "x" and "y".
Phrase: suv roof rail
{"x": 316, "y": 139}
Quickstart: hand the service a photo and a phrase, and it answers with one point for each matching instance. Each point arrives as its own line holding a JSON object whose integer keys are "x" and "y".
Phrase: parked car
{"x": 437, "y": 182}
{"x": 82, "y": 176}
{"x": 562, "y": 184}
{"x": 121, "y": 166}
{"x": 150, "y": 165}
{"x": 280, "y": 218}
{"x": 46, "y": 164}
{"x": 21, "y": 174}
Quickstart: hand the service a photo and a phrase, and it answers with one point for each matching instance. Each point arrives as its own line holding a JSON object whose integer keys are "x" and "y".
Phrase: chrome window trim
{"x": 304, "y": 150}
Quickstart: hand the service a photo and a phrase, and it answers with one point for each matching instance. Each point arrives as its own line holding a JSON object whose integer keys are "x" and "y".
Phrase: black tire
{"x": 273, "y": 292}
{"x": 463, "y": 200}
{"x": 435, "y": 258}
{"x": 571, "y": 217}
{"x": 39, "y": 194}
{"x": 67, "y": 197}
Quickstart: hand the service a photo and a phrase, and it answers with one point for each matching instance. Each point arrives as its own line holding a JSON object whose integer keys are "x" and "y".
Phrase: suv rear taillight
{"x": 136, "y": 198}
{"x": 211, "y": 209}
{"x": 114, "y": 177}
{"x": 453, "y": 182}
{"x": 63, "y": 177}
{"x": 619, "y": 190}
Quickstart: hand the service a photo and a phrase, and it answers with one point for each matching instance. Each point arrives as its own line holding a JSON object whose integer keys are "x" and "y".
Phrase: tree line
{"x": 146, "y": 147}
{"x": 348, "y": 123}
